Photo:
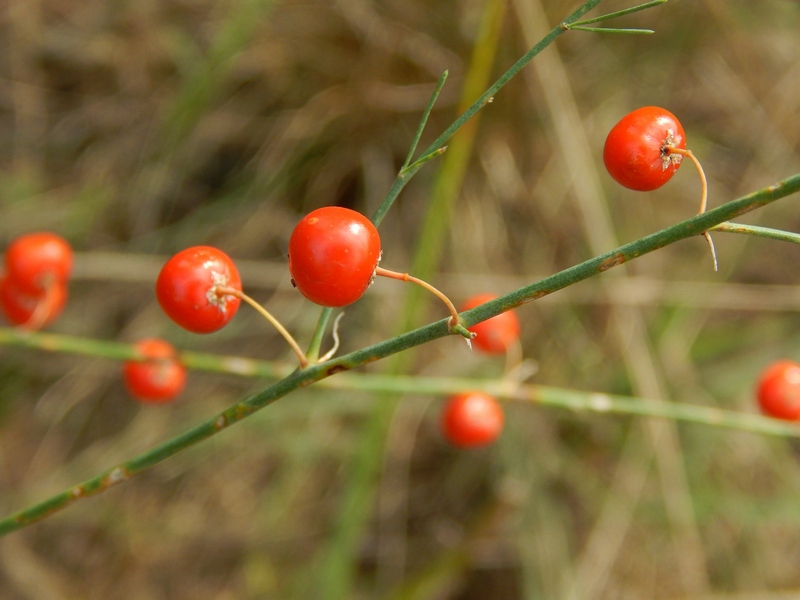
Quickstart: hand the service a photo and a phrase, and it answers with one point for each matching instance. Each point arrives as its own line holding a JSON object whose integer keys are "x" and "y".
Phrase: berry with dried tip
{"x": 495, "y": 335}
{"x": 644, "y": 150}
{"x": 333, "y": 253}
{"x": 190, "y": 289}
{"x": 778, "y": 390}
{"x": 640, "y": 151}
{"x": 157, "y": 380}
{"x": 472, "y": 420}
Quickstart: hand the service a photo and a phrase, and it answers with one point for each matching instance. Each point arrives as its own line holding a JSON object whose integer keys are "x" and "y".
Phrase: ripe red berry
{"x": 333, "y": 253}
{"x": 31, "y": 311}
{"x": 188, "y": 289}
{"x": 778, "y": 390}
{"x": 494, "y": 335}
{"x": 155, "y": 381}
{"x": 37, "y": 260}
{"x": 636, "y": 152}
{"x": 472, "y": 419}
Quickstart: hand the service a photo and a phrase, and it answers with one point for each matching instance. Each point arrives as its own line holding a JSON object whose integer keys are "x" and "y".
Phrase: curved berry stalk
{"x": 333, "y": 258}
{"x": 472, "y": 420}
{"x": 645, "y": 149}
{"x": 200, "y": 289}
{"x": 160, "y": 378}
{"x": 454, "y": 322}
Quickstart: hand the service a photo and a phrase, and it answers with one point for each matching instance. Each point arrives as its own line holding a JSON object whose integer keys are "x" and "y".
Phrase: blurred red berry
{"x": 472, "y": 419}
{"x": 778, "y": 390}
{"x": 158, "y": 380}
{"x": 31, "y": 311}
{"x": 37, "y": 260}
{"x": 494, "y": 335}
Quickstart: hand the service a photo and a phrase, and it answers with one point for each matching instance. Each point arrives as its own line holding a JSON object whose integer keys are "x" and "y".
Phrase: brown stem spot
{"x": 333, "y": 369}
{"x": 612, "y": 262}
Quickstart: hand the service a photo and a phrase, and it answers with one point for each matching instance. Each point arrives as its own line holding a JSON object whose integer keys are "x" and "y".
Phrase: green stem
{"x": 548, "y": 396}
{"x": 594, "y": 266}
{"x": 610, "y": 30}
{"x": 422, "y": 160}
{"x": 66, "y": 343}
{"x": 319, "y": 334}
{"x": 569, "y": 399}
{"x": 423, "y": 121}
{"x": 405, "y": 175}
{"x": 618, "y": 13}
{"x": 765, "y": 232}
{"x": 438, "y": 386}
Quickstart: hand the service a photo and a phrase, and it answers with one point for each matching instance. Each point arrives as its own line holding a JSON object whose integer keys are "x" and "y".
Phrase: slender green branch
{"x": 66, "y": 343}
{"x": 609, "y": 30}
{"x": 415, "y": 166}
{"x": 412, "y": 384}
{"x": 424, "y": 120}
{"x": 406, "y": 174}
{"x": 120, "y": 351}
{"x": 569, "y": 399}
{"x": 594, "y": 266}
{"x": 618, "y": 13}
{"x": 319, "y": 334}
{"x": 765, "y": 232}
{"x": 690, "y": 413}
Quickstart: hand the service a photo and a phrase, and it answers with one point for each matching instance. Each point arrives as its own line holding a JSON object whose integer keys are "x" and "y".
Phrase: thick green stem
{"x": 680, "y": 231}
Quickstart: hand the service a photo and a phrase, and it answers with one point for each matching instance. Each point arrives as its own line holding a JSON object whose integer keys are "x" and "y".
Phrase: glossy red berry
{"x": 472, "y": 419}
{"x": 636, "y": 152}
{"x": 333, "y": 253}
{"x": 495, "y": 335}
{"x": 188, "y": 289}
{"x": 778, "y": 390}
{"x": 37, "y": 260}
{"x": 155, "y": 381}
{"x": 31, "y": 311}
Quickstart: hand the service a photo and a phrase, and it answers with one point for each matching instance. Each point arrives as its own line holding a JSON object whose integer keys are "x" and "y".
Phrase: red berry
{"x": 494, "y": 335}
{"x": 155, "y": 381}
{"x": 333, "y": 253}
{"x": 636, "y": 151}
{"x": 37, "y": 260}
{"x": 472, "y": 419}
{"x": 778, "y": 390}
{"x": 20, "y": 307}
{"x": 187, "y": 289}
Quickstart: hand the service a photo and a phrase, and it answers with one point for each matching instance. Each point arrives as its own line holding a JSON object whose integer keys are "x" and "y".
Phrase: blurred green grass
{"x": 146, "y": 127}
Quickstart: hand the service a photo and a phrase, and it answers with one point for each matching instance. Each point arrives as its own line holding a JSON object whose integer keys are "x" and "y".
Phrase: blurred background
{"x": 136, "y": 129}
